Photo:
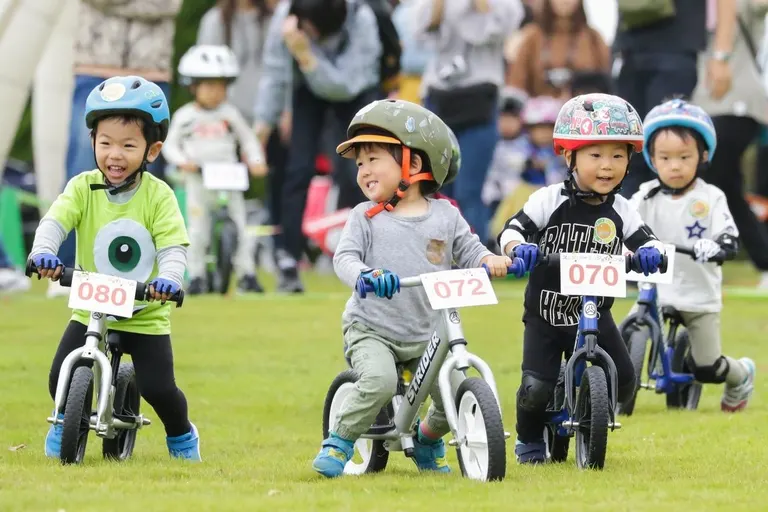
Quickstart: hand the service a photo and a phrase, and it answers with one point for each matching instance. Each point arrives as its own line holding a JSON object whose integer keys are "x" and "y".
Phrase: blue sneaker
{"x": 530, "y": 453}
{"x": 186, "y": 446}
{"x": 334, "y": 454}
{"x": 428, "y": 454}
{"x": 53, "y": 439}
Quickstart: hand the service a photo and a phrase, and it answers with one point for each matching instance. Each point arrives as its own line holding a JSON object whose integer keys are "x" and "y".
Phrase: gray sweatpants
{"x": 706, "y": 348}
{"x": 200, "y": 201}
{"x": 373, "y": 357}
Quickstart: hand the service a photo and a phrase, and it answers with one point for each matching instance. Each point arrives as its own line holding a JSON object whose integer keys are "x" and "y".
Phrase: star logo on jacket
{"x": 695, "y": 230}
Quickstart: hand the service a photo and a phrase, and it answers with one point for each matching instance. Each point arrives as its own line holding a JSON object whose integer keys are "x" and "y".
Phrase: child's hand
{"x": 498, "y": 265}
{"x": 48, "y": 266}
{"x": 162, "y": 289}
{"x": 189, "y": 167}
{"x": 257, "y": 170}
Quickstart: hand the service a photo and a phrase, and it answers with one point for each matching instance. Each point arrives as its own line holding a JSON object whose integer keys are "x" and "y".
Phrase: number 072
{"x": 443, "y": 290}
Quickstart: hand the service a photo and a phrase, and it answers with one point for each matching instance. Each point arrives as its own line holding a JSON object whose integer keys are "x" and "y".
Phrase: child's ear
{"x": 416, "y": 164}
{"x": 567, "y": 156}
{"x": 154, "y": 151}
{"x": 704, "y": 157}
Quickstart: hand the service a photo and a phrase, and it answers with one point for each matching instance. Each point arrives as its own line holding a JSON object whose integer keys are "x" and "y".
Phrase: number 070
{"x": 577, "y": 274}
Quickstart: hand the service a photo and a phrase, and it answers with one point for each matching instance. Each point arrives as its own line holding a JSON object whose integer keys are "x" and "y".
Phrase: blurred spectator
{"x": 525, "y": 163}
{"x": 11, "y": 280}
{"x": 737, "y": 116}
{"x": 115, "y": 37}
{"x": 326, "y": 54}
{"x": 658, "y": 45}
{"x": 556, "y": 46}
{"x": 461, "y": 84}
{"x": 415, "y": 54}
{"x": 242, "y": 25}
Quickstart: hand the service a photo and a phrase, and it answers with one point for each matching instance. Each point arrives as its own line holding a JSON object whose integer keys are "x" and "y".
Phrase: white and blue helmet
{"x": 679, "y": 112}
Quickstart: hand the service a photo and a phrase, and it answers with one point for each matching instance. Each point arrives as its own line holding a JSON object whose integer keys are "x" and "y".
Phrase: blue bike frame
{"x": 665, "y": 380}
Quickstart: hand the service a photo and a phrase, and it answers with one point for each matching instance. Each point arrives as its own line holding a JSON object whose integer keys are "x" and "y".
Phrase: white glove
{"x": 705, "y": 249}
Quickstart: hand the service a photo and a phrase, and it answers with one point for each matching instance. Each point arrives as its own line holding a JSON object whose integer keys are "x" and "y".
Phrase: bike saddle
{"x": 671, "y": 314}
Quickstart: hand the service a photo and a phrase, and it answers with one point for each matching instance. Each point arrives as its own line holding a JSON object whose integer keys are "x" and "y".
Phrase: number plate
{"x": 101, "y": 293}
{"x": 656, "y": 277}
{"x": 225, "y": 176}
{"x": 601, "y": 275}
{"x": 459, "y": 288}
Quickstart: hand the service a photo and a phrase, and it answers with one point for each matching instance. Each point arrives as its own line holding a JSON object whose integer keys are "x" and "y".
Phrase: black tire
{"x": 379, "y": 455}
{"x": 77, "y": 416}
{"x": 494, "y": 429}
{"x": 557, "y": 446}
{"x": 593, "y": 413}
{"x": 225, "y": 255}
{"x": 127, "y": 402}
{"x": 684, "y": 396}
{"x": 636, "y": 345}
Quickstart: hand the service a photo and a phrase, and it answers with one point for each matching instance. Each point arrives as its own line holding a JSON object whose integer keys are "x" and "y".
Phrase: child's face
{"x": 378, "y": 173}
{"x": 211, "y": 93}
{"x": 119, "y": 148}
{"x": 541, "y": 134}
{"x": 510, "y": 125}
{"x": 600, "y": 167}
{"x": 675, "y": 158}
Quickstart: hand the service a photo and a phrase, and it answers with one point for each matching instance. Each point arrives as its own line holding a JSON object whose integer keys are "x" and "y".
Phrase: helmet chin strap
{"x": 115, "y": 189}
{"x": 573, "y": 191}
{"x": 406, "y": 180}
{"x": 666, "y": 189}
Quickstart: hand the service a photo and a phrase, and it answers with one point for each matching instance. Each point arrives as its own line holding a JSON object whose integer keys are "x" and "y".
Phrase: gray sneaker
{"x": 735, "y": 398}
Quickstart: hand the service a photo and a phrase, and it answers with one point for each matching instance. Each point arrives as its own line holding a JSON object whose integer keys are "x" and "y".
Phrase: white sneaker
{"x": 735, "y": 398}
{"x": 56, "y": 290}
{"x": 763, "y": 284}
{"x": 13, "y": 281}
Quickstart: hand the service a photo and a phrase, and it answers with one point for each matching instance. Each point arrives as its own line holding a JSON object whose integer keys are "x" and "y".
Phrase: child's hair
{"x": 396, "y": 150}
{"x": 684, "y": 133}
{"x": 151, "y": 132}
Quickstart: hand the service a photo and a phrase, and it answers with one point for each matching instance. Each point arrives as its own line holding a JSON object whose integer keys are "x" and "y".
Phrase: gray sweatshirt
{"x": 248, "y": 34}
{"x": 347, "y": 63}
{"x": 476, "y": 38}
{"x": 201, "y": 136}
{"x": 407, "y": 246}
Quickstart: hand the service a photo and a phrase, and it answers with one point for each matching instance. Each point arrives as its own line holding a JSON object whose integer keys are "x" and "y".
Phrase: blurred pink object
{"x": 541, "y": 110}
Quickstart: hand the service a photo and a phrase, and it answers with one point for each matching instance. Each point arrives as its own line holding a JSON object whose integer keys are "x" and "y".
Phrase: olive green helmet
{"x": 412, "y": 126}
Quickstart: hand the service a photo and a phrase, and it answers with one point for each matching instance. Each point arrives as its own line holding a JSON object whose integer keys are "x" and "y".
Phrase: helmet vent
{"x": 136, "y": 85}
{"x": 101, "y": 87}
{"x": 157, "y": 104}
{"x": 588, "y": 106}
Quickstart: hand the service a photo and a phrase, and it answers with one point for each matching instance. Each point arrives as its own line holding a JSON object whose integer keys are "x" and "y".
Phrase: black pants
{"x": 734, "y": 134}
{"x": 153, "y": 360}
{"x": 543, "y": 349}
{"x": 277, "y": 158}
{"x": 308, "y": 123}
{"x": 647, "y": 79}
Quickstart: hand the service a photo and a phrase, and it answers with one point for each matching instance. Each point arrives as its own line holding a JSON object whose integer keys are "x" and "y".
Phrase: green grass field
{"x": 255, "y": 372}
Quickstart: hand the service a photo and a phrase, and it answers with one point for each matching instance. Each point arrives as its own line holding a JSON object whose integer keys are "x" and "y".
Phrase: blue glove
{"x": 529, "y": 253}
{"x": 47, "y": 261}
{"x": 384, "y": 282}
{"x": 166, "y": 286}
{"x": 646, "y": 260}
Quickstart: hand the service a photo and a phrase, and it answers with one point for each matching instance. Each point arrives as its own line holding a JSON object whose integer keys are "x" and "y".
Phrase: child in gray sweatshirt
{"x": 404, "y": 154}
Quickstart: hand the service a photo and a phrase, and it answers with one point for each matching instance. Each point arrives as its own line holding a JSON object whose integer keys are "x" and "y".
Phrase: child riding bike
{"x": 597, "y": 135}
{"x": 684, "y": 210}
{"x": 404, "y": 155}
{"x": 128, "y": 225}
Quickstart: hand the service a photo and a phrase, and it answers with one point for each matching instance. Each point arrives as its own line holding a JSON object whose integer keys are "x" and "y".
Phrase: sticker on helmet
{"x": 410, "y": 125}
{"x": 113, "y": 91}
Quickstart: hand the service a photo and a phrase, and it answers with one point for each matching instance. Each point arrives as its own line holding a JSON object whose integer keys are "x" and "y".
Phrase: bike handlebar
{"x": 68, "y": 272}
{"x": 554, "y": 260}
{"x": 718, "y": 258}
{"x": 362, "y": 288}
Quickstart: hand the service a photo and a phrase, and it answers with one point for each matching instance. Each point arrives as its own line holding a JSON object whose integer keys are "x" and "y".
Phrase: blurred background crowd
{"x": 497, "y": 71}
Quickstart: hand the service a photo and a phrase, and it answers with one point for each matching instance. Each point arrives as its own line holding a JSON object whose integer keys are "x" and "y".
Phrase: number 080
{"x": 577, "y": 274}
{"x": 102, "y": 294}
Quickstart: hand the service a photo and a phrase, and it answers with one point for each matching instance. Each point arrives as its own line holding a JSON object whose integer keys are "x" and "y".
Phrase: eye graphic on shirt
{"x": 124, "y": 248}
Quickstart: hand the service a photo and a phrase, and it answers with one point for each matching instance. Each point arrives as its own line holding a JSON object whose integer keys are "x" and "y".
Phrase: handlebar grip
{"x": 517, "y": 266}
{"x": 142, "y": 289}
{"x": 363, "y": 288}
